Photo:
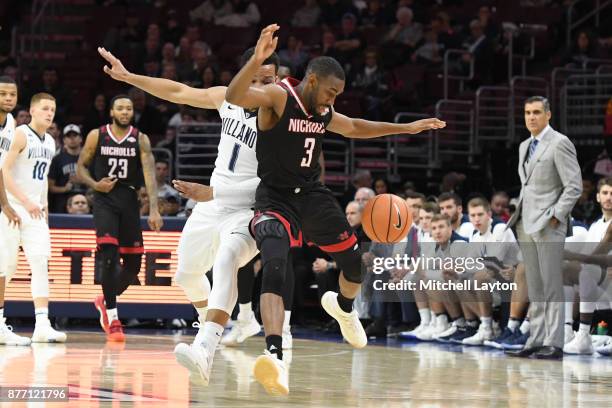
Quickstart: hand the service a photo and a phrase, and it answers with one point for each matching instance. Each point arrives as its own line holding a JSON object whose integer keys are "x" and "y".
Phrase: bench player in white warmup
{"x": 216, "y": 235}
{"x": 25, "y": 173}
{"x": 8, "y": 101}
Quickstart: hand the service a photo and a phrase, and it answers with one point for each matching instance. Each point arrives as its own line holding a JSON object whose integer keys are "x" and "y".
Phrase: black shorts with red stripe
{"x": 309, "y": 214}
{"x": 117, "y": 219}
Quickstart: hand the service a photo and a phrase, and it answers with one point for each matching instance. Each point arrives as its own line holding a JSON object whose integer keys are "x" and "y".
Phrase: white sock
{"x": 112, "y": 315}
{"x": 211, "y": 336}
{"x": 442, "y": 319}
{"x": 287, "y": 321}
{"x": 425, "y": 316}
{"x": 513, "y": 324}
{"x": 202, "y": 313}
{"x": 42, "y": 314}
{"x": 487, "y": 322}
{"x": 524, "y": 326}
{"x": 459, "y": 322}
{"x": 245, "y": 310}
{"x": 584, "y": 328}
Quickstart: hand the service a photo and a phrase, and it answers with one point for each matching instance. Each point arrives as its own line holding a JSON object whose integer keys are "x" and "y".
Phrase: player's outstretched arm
{"x": 6, "y": 208}
{"x": 239, "y": 92}
{"x": 172, "y": 91}
{"x": 85, "y": 158}
{"x": 148, "y": 169}
{"x": 365, "y": 129}
{"x": 18, "y": 144}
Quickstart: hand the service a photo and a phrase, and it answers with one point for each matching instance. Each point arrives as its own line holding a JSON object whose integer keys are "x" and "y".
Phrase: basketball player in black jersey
{"x": 291, "y": 204}
{"x": 121, "y": 155}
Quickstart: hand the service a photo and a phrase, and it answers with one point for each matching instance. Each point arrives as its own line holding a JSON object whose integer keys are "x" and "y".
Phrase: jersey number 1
{"x": 234, "y": 158}
{"x": 309, "y": 145}
{"x": 121, "y": 163}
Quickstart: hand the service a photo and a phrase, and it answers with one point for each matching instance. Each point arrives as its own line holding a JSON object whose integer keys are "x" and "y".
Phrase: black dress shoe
{"x": 525, "y": 352}
{"x": 549, "y": 353}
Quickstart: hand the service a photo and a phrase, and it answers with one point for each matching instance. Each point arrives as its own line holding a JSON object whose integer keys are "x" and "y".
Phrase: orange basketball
{"x": 386, "y": 218}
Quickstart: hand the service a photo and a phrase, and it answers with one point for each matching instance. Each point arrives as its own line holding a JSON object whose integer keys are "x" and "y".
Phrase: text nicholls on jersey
{"x": 118, "y": 151}
{"x": 305, "y": 126}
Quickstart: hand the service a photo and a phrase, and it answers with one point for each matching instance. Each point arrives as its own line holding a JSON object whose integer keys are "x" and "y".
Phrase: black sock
{"x": 345, "y": 304}
{"x": 274, "y": 344}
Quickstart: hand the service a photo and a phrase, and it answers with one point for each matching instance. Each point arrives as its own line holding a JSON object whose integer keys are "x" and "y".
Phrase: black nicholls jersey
{"x": 288, "y": 154}
{"x": 118, "y": 158}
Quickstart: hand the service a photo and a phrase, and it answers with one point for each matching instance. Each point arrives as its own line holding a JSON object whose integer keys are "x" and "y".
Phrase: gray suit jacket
{"x": 551, "y": 182}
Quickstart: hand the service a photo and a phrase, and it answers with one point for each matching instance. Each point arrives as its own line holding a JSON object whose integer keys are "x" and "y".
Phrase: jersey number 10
{"x": 39, "y": 170}
{"x": 118, "y": 164}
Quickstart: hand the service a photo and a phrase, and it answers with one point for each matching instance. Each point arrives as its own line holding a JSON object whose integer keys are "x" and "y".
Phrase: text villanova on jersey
{"x": 239, "y": 130}
{"x": 40, "y": 152}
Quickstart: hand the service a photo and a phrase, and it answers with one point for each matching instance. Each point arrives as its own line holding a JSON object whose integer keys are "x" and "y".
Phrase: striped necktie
{"x": 532, "y": 148}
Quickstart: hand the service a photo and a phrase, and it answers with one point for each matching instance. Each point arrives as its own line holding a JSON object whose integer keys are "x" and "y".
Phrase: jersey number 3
{"x": 115, "y": 163}
{"x": 309, "y": 145}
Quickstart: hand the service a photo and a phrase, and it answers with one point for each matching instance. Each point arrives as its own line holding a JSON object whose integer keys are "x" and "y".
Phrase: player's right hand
{"x": 117, "y": 70}
{"x": 194, "y": 191}
{"x": 106, "y": 184}
{"x": 13, "y": 218}
{"x": 267, "y": 43}
{"x": 34, "y": 210}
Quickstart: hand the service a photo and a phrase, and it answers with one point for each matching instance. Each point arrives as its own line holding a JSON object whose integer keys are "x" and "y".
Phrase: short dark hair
{"x": 116, "y": 98}
{"x": 5, "y": 79}
{"x": 538, "y": 98}
{"x": 414, "y": 194}
{"x": 164, "y": 161}
{"x": 271, "y": 60}
{"x": 324, "y": 67}
{"x": 500, "y": 193}
{"x": 431, "y": 208}
{"x": 450, "y": 196}
{"x": 606, "y": 181}
{"x": 480, "y": 202}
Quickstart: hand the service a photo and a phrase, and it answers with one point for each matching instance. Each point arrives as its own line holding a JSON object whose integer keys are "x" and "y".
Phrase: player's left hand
{"x": 155, "y": 221}
{"x": 117, "y": 70}
{"x": 195, "y": 191}
{"x": 422, "y": 125}
{"x": 266, "y": 44}
{"x": 13, "y": 218}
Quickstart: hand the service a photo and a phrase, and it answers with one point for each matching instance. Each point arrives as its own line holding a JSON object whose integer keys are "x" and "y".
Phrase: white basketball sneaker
{"x": 8, "y": 338}
{"x": 44, "y": 333}
{"x": 436, "y": 327}
{"x": 287, "y": 338}
{"x": 242, "y": 330}
{"x": 350, "y": 326}
{"x": 412, "y": 334}
{"x": 196, "y": 359}
{"x": 580, "y": 344}
{"x": 483, "y": 334}
{"x": 569, "y": 334}
{"x": 272, "y": 374}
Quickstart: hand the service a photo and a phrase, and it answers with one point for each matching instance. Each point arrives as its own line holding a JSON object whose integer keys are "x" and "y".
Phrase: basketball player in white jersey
{"x": 8, "y": 101}
{"x": 25, "y": 176}
{"x": 216, "y": 234}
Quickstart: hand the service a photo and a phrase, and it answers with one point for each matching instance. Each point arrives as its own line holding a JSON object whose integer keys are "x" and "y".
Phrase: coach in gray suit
{"x": 550, "y": 186}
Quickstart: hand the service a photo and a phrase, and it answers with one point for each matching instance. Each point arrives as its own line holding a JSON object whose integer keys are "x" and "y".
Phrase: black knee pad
{"x": 107, "y": 258}
{"x": 349, "y": 262}
{"x": 273, "y": 243}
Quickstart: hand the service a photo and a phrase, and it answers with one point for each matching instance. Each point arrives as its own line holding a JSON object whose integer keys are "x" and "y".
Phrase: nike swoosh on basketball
{"x": 399, "y": 217}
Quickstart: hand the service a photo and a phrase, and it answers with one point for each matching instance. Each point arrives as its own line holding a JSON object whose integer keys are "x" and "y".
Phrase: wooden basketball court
{"x": 143, "y": 372}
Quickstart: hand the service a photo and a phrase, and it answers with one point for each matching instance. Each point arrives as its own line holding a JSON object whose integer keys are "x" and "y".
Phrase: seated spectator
{"x": 446, "y": 34}
{"x": 245, "y": 13}
{"x": 584, "y": 47}
{"x": 349, "y": 42}
{"x": 373, "y": 15}
{"x": 51, "y": 84}
{"x": 490, "y": 28}
{"x": 328, "y": 45}
{"x": 162, "y": 175}
{"x": 201, "y": 57}
{"x": 225, "y": 77}
{"x": 98, "y": 113}
{"x": 402, "y": 38}
{"x": 168, "y": 54}
{"x": 22, "y": 118}
{"x": 169, "y": 205}
{"x": 146, "y": 117}
{"x": 173, "y": 30}
{"x": 210, "y": 10}
{"x": 361, "y": 178}
{"x": 62, "y": 174}
{"x": 381, "y": 186}
{"x": 585, "y": 210}
{"x": 55, "y": 132}
{"x": 77, "y": 205}
{"x": 143, "y": 200}
{"x": 479, "y": 49}
{"x": 208, "y": 78}
{"x": 499, "y": 206}
{"x": 307, "y": 15}
{"x": 431, "y": 52}
{"x": 364, "y": 194}
{"x": 373, "y": 82}
{"x": 169, "y": 140}
{"x": 293, "y": 56}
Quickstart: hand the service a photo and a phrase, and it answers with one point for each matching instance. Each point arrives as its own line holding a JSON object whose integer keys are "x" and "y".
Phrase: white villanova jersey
{"x": 236, "y": 164}
{"x": 7, "y": 132}
{"x": 32, "y": 166}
